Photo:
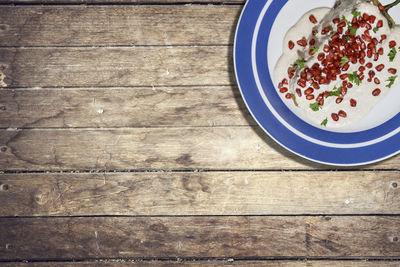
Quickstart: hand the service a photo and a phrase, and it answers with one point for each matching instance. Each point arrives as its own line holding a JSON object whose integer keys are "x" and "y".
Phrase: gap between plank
{"x": 207, "y": 260}
{"x": 188, "y": 171}
{"x": 116, "y": 3}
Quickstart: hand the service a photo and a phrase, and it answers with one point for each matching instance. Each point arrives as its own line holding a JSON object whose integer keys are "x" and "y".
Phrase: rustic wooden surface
{"x": 124, "y": 141}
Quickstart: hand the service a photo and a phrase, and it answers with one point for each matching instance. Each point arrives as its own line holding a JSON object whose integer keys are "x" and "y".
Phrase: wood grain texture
{"x": 238, "y": 148}
{"x": 212, "y": 263}
{"x": 129, "y": 66}
{"x": 201, "y": 193}
{"x": 118, "y": 25}
{"x": 186, "y": 237}
{"x": 123, "y": 107}
{"x": 127, "y": 2}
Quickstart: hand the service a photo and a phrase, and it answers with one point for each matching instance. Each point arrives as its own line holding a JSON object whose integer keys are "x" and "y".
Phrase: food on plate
{"x": 338, "y": 63}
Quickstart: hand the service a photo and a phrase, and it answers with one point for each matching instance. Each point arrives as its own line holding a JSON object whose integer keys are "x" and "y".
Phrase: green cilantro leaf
{"x": 324, "y": 122}
{"x": 355, "y": 13}
{"x": 352, "y": 30}
{"x": 344, "y": 60}
{"x": 392, "y": 54}
{"x": 335, "y": 91}
{"x": 375, "y": 29}
{"x": 345, "y": 20}
{"x": 315, "y": 106}
{"x": 331, "y": 32}
{"x": 391, "y": 81}
{"x": 353, "y": 77}
{"x": 347, "y": 37}
{"x": 301, "y": 63}
{"x": 315, "y": 50}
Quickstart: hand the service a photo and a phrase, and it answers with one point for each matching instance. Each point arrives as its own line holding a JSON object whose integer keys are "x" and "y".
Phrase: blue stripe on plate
{"x": 259, "y": 110}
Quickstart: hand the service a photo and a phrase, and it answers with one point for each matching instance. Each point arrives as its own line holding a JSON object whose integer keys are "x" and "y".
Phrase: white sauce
{"x": 362, "y": 93}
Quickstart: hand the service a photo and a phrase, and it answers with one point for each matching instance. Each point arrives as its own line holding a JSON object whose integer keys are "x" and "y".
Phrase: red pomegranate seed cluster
{"x": 349, "y": 43}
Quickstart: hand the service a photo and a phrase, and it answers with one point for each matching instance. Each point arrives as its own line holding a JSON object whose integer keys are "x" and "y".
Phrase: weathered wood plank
{"x": 121, "y": 1}
{"x": 130, "y": 66}
{"x": 205, "y": 237}
{"x": 201, "y": 193}
{"x": 243, "y": 148}
{"x": 212, "y": 263}
{"x": 123, "y": 107}
{"x": 118, "y": 25}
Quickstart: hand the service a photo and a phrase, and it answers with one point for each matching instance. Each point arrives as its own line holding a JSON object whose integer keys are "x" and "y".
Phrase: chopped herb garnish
{"x": 335, "y": 92}
{"x": 301, "y": 63}
{"x": 315, "y": 50}
{"x": 356, "y": 13}
{"x": 324, "y": 122}
{"x": 297, "y": 76}
{"x": 353, "y": 77}
{"x": 345, "y": 20}
{"x": 392, "y": 54}
{"x": 352, "y": 30}
{"x": 315, "y": 106}
{"x": 391, "y": 81}
{"x": 347, "y": 37}
{"x": 344, "y": 60}
{"x": 375, "y": 29}
{"x": 331, "y": 32}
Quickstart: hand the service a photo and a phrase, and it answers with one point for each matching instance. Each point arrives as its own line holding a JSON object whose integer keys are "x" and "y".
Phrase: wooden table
{"x": 124, "y": 141}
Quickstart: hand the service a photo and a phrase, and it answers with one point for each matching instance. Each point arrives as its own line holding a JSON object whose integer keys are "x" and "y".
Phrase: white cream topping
{"x": 362, "y": 93}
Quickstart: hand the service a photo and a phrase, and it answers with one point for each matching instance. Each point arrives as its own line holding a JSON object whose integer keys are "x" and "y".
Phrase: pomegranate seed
{"x": 363, "y": 46}
{"x": 284, "y": 81}
{"x": 369, "y": 65}
{"x": 353, "y": 102}
{"x": 376, "y": 92}
{"x": 326, "y": 48}
{"x": 325, "y": 30}
{"x": 371, "y": 73}
{"x": 392, "y": 44}
{"x": 344, "y": 83}
{"x": 381, "y": 8}
{"x": 283, "y": 90}
{"x": 288, "y": 96}
{"x": 368, "y": 26}
{"x": 298, "y": 92}
{"x": 376, "y": 80}
{"x": 321, "y": 101}
{"x": 342, "y": 24}
{"x": 392, "y": 70}
{"x": 321, "y": 56}
{"x": 312, "y": 42}
{"x": 369, "y": 53}
{"x": 349, "y": 85}
{"x": 308, "y": 91}
{"x": 314, "y": 32}
{"x": 380, "y": 67}
{"x": 315, "y": 85}
{"x": 302, "y": 42}
{"x": 362, "y": 61}
{"x": 290, "y": 73}
{"x": 342, "y": 114}
{"x": 343, "y": 91}
{"x": 313, "y": 19}
{"x": 344, "y": 76}
{"x": 366, "y": 38}
{"x": 336, "y": 20}
{"x": 365, "y": 16}
{"x": 339, "y": 100}
{"x": 371, "y": 19}
{"x": 335, "y": 36}
{"x": 383, "y": 37}
{"x": 291, "y": 45}
{"x": 376, "y": 56}
{"x": 339, "y": 30}
{"x": 346, "y": 66}
{"x": 301, "y": 83}
{"x": 361, "y": 68}
{"x": 379, "y": 24}
{"x": 335, "y": 116}
{"x": 310, "y": 97}
{"x": 380, "y": 51}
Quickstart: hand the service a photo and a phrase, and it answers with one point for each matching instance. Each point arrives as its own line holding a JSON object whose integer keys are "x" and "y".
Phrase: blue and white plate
{"x": 258, "y": 46}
